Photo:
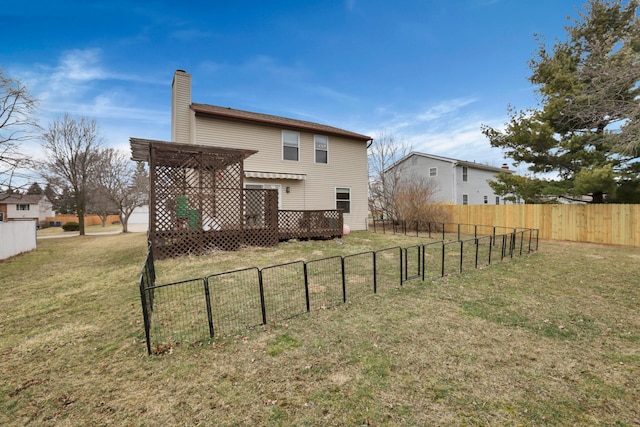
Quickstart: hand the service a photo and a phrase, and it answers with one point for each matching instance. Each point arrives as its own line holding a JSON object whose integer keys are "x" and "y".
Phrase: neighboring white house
{"x": 22, "y": 207}
{"x": 458, "y": 181}
{"x": 313, "y": 166}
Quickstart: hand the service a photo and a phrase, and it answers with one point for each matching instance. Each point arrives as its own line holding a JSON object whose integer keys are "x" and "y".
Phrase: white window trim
{"x": 465, "y": 176}
{"x": 26, "y": 205}
{"x": 282, "y": 145}
{"x": 434, "y": 169}
{"x": 315, "y": 151}
{"x": 335, "y": 196}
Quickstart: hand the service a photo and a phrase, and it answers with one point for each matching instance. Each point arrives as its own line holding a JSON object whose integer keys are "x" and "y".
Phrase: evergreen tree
{"x": 587, "y": 131}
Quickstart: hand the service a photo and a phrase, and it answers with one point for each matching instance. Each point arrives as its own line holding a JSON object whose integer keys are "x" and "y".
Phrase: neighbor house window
{"x": 497, "y": 200}
{"x": 433, "y": 171}
{"x": 465, "y": 174}
{"x": 22, "y": 207}
{"x": 290, "y": 145}
{"x": 343, "y": 199}
{"x": 321, "y": 148}
{"x": 1, "y": 216}
{"x": 465, "y": 199}
{"x": 486, "y": 200}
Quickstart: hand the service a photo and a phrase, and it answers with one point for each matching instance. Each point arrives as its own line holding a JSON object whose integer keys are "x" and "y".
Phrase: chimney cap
{"x": 505, "y": 166}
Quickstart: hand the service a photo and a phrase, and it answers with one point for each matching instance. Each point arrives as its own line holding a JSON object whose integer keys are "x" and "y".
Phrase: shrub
{"x": 71, "y": 226}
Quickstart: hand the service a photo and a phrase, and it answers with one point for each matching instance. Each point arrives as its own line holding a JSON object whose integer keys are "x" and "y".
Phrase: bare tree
{"x": 385, "y": 150}
{"x": 17, "y": 124}
{"x": 414, "y": 199}
{"x": 126, "y": 184}
{"x": 71, "y": 151}
{"x": 99, "y": 203}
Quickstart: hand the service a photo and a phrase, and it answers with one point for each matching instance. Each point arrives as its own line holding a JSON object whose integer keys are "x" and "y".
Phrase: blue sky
{"x": 430, "y": 72}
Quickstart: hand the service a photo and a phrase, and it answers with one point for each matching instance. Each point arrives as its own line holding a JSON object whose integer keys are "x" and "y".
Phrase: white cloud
{"x": 450, "y": 128}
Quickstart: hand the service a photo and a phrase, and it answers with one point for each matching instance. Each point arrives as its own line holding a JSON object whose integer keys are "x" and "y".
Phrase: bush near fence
{"x": 194, "y": 310}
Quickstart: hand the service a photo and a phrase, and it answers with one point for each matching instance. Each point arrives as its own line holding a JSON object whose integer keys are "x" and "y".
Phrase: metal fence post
{"x": 477, "y": 249}
{"x": 344, "y": 282}
{"x": 442, "y": 274}
{"x": 207, "y": 297}
{"x": 424, "y": 267}
{"x": 490, "y": 247}
{"x": 306, "y": 287}
{"x": 375, "y": 274}
{"x": 262, "y": 303}
{"x": 145, "y": 314}
{"x": 401, "y": 264}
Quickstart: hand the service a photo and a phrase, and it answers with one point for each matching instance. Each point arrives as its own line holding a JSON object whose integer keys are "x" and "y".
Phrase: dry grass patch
{"x": 546, "y": 339}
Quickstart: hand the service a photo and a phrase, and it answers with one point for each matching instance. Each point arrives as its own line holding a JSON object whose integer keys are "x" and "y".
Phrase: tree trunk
{"x": 81, "y": 221}
{"x": 598, "y": 197}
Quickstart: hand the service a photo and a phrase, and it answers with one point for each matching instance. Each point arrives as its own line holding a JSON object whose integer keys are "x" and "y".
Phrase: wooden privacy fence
{"x": 602, "y": 223}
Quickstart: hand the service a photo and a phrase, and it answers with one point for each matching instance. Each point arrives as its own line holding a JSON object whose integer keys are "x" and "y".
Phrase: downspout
{"x": 366, "y": 220}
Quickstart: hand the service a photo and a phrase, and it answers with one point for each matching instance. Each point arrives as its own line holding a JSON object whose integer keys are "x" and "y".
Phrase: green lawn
{"x": 550, "y": 338}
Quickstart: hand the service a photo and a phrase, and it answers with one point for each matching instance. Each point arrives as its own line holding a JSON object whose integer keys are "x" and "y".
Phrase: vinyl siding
{"x": 476, "y": 186}
{"x": 451, "y": 187}
{"x": 444, "y": 187}
{"x": 346, "y": 167}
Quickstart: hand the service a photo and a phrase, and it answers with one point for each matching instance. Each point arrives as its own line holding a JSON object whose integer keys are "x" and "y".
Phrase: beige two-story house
{"x": 313, "y": 166}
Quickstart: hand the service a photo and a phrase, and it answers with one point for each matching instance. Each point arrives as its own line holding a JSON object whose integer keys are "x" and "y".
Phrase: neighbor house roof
{"x": 455, "y": 162}
{"x": 22, "y": 199}
{"x": 269, "y": 120}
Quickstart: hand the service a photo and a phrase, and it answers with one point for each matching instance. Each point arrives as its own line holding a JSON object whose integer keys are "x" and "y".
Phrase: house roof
{"x": 32, "y": 199}
{"x": 269, "y": 120}
{"x": 455, "y": 162}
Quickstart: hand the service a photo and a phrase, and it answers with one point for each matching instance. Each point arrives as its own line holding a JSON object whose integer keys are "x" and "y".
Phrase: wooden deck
{"x": 318, "y": 224}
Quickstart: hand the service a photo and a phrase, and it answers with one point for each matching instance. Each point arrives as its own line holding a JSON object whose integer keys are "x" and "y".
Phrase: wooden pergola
{"x": 197, "y": 202}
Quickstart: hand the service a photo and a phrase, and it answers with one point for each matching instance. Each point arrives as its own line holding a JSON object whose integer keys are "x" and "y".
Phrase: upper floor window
{"x": 290, "y": 145}
{"x": 24, "y": 207}
{"x": 343, "y": 199}
{"x": 465, "y": 174}
{"x": 465, "y": 199}
{"x": 433, "y": 171}
{"x": 497, "y": 200}
{"x": 321, "y": 143}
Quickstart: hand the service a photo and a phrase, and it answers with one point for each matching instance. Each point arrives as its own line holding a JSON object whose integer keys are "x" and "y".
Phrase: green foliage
{"x": 71, "y": 226}
{"x": 35, "y": 189}
{"x": 586, "y": 130}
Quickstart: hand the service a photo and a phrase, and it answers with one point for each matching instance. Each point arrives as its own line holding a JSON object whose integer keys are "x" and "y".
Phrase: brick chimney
{"x": 505, "y": 166}
{"x": 182, "y": 117}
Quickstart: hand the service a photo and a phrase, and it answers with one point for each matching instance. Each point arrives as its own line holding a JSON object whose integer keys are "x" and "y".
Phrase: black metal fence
{"x": 443, "y": 230}
{"x": 191, "y": 311}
